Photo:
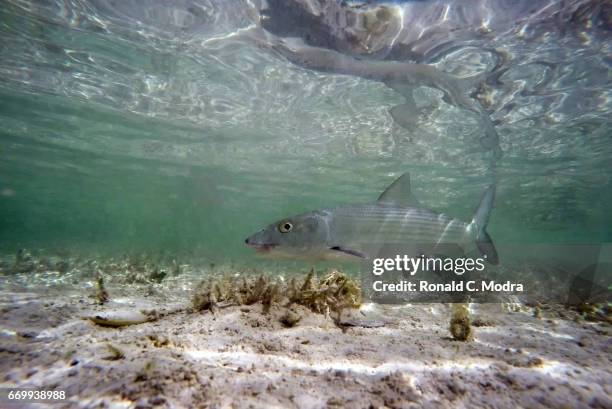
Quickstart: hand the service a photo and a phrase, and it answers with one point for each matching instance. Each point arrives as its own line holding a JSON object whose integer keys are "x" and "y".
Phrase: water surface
{"x": 162, "y": 129}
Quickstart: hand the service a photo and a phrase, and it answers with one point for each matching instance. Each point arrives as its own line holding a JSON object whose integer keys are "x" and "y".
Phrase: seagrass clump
{"x": 334, "y": 292}
{"x": 460, "y": 325}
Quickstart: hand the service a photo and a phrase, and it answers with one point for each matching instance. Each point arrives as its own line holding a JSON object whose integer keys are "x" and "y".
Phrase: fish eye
{"x": 285, "y": 227}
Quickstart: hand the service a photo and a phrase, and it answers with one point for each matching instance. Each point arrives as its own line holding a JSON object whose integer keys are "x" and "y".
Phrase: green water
{"x": 118, "y": 142}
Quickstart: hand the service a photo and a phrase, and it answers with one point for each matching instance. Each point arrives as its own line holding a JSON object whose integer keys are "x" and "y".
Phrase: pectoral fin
{"x": 350, "y": 252}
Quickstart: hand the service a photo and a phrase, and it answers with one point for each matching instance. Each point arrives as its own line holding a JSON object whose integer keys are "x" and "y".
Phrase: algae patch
{"x": 460, "y": 327}
{"x": 334, "y": 292}
{"x": 114, "y": 353}
{"x": 101, "y": 294}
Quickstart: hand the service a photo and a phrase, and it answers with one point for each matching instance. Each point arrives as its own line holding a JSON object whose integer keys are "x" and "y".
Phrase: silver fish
{"x": 395, "y": 218}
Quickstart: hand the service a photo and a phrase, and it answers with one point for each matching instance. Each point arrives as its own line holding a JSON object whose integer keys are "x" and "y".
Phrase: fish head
{"x": 299, "y": 236}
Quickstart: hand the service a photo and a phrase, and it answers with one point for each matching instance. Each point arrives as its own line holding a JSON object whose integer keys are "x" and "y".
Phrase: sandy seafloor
{"x": 241, "y": 358}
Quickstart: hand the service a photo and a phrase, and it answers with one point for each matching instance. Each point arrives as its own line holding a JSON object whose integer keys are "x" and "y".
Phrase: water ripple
{"x": 183, "y": 82}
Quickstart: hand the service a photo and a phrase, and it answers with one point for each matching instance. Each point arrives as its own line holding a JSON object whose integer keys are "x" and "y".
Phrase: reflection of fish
{"x": 394, "y": 218}
{"x": 422, "y": 31}
{"x": 401, "y": 77}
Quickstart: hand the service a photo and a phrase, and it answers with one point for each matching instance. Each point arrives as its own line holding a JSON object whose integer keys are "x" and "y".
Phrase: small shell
{"x": 120, "y": 318}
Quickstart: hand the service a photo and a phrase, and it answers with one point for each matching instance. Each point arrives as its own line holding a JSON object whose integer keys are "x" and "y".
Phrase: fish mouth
{"x": 262, "y": 247}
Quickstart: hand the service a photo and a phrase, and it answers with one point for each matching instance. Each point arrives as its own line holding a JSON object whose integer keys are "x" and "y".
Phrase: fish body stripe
{"x": 386, "y": 224}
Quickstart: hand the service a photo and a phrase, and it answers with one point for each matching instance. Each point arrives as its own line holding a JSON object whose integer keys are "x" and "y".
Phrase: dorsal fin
{"x": 399, "y": 194}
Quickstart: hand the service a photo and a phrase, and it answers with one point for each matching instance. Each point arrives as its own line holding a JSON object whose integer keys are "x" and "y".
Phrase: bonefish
{"x": 396, "y": 217}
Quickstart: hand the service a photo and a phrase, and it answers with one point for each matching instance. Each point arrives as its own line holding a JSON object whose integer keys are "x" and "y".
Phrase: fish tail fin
{"x": 479, "y": 225}
{"x": 469, "y": 88}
